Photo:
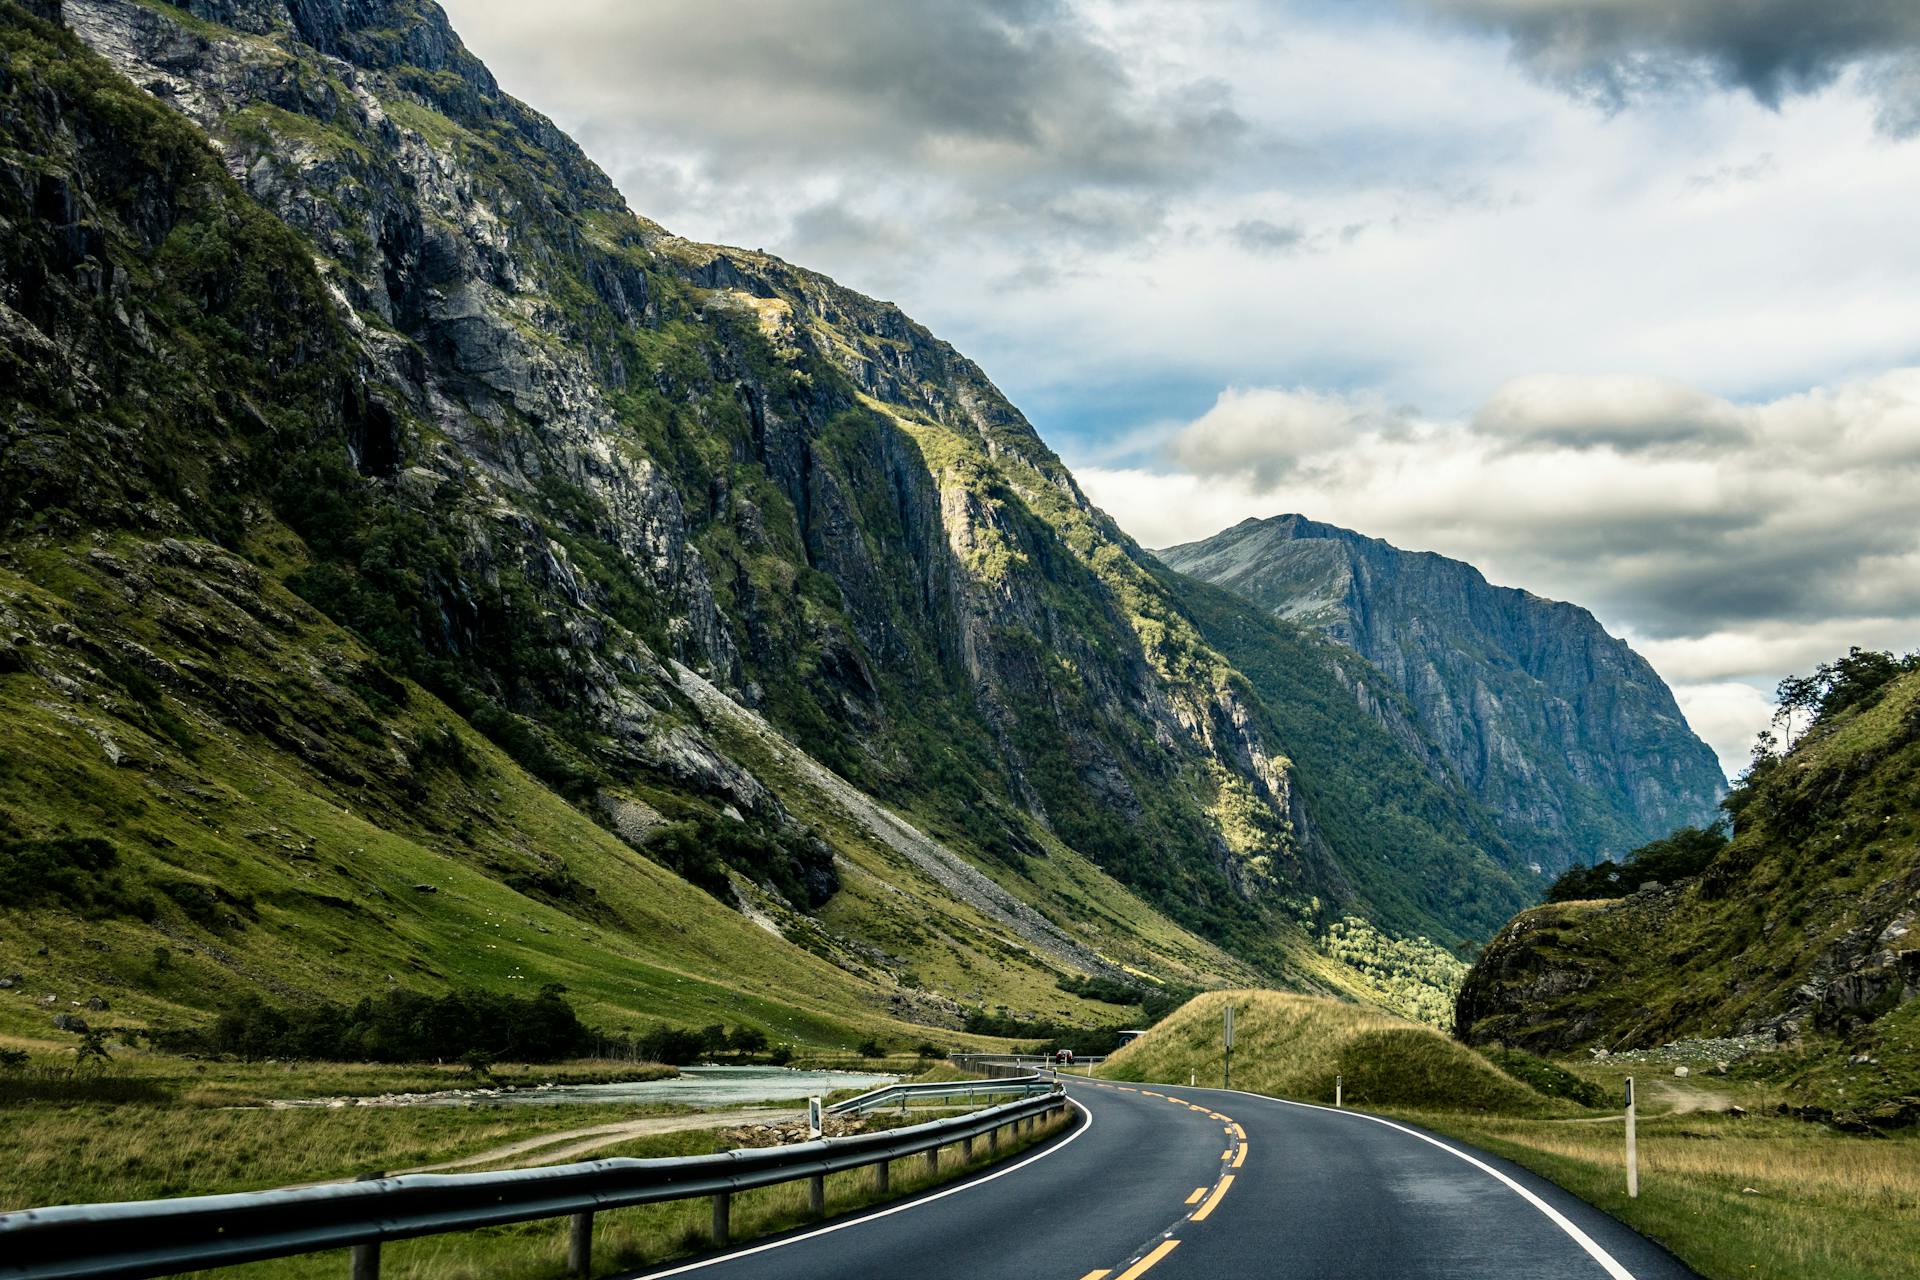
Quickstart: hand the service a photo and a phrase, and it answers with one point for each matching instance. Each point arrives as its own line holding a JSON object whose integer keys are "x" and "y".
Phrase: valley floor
{"x": 219, "y": 1127}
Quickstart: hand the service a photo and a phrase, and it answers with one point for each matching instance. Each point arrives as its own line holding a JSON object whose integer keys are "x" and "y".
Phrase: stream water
{"x": 702, "y": 1087}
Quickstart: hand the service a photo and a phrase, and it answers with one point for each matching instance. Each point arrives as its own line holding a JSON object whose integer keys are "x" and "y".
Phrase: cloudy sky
{"x": 1617, "y": 299}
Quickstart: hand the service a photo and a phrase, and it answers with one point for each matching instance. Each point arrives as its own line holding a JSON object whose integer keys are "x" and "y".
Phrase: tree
{"x": 1795, "y": 694}
{"x": 92, "y": 1050}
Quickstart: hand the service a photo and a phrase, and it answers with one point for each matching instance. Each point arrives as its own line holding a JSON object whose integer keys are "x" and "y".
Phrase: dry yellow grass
{"x": 1762, "y": 1198}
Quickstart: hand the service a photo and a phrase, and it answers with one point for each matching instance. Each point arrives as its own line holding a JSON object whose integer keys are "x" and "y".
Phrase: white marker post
{"x": 1227, "y": 1060}
{"x": 814, "y": 1128}
{"x": 1633, "y": 1150}
{"x": 1339, "y": 1082}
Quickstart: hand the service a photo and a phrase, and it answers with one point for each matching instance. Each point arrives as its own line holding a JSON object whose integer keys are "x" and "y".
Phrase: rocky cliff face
{"x": 295, "y": 293}
{"x": 1804, "y": 931}
{"x": 1565, "y": 733}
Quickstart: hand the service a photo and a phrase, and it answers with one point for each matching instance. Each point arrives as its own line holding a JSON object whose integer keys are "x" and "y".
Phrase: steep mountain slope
{"x": 207, "y": 787}
{"x": 1421, "y": 842}
{"x": 376, "y": 469}
{"x": 1563, "y": 732}
{"x": 1802, "y": 930}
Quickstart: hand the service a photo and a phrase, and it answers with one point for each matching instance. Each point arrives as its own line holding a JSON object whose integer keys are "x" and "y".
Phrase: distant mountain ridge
{"x": 1566, "y": 734}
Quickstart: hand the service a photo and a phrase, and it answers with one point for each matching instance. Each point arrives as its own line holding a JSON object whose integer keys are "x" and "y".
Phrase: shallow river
{"x": 694, "y": 1087}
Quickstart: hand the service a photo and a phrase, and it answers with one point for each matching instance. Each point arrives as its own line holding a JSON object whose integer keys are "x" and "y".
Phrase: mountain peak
{"x": 1565, "y": 732}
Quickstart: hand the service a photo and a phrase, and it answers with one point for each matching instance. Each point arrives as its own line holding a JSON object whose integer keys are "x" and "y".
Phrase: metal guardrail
{"x": 161, "y": 1237}
{"x": 989, "y": 1064}
{"x": 886, "y": 1095}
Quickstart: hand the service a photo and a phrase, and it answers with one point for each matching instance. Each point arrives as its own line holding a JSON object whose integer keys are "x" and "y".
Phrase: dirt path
{"x": 568, "y": 1144}
{"x": 1679, "y": 1099}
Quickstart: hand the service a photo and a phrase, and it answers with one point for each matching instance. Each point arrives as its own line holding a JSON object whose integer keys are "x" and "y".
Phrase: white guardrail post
{"x": 1633, "y": 1148}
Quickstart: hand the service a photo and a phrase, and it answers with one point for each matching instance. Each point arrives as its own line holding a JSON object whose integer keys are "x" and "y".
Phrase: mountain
{"x": 415, "y": 567}
{"x": 1567, "y": 735}
{"x": 1803, "y": 933}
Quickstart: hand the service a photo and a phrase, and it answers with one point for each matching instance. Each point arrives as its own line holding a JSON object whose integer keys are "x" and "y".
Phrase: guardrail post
{"x": 817, "y": 1194}
{"x": 722, "y": 1213}
{"x": 580, "y": 1245}
{"x": 966, "y": 1150}
{"x": 933, "y": 1159}
{"x": 993, "y": 1140}
{"x": 363, "y": 1260}
{"x": 881, "y": 1177}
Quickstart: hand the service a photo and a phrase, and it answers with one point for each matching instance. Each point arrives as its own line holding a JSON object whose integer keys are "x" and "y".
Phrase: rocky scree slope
{"x": 1564, "y": 733}
{"x": 1805, "y": 930}
{"x": 562, "y": 476}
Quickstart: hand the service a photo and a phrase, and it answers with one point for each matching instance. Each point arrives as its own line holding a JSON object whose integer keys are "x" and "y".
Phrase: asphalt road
{"x": 1179, "y": 1184}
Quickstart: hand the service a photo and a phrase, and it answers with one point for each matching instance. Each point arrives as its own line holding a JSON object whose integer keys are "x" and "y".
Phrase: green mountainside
{"x": 1798, "y": 935}
{"x": 417, "y": 570}
{"x": 1564, "y": 733}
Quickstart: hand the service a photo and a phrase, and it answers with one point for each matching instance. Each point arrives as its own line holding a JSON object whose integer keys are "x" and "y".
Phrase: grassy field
{"x": 1771, "y": 1199}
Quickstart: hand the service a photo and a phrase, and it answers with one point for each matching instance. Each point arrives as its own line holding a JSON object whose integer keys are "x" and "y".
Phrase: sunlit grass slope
{"x": 1293, "y": 1046}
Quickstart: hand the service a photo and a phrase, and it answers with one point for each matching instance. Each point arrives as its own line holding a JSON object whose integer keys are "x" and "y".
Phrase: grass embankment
{"x": 1293, "y": 1046}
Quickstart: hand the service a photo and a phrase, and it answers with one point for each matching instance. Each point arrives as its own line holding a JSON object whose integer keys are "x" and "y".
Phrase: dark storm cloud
{"x": 1616, "y": 50}
{"x": 1018, "y": 98}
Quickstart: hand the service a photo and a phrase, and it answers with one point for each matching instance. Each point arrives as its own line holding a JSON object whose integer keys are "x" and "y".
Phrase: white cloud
{"x": 1263, "y": 430}
{"x": 1626, "y": 411}
{"x": 1728, "y": 716}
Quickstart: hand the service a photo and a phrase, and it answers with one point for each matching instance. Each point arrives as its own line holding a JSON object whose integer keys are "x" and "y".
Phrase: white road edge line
{"x": 829, "y": 1229}
{"x": 1606, "y": 1260}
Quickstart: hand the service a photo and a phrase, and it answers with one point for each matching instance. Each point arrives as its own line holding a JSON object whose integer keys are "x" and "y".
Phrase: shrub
{"x": 400, "y": 1026}
{"x": 1679, "y": 856}
{"x": 1547, "y": 1078}
{"x": 75, "y": 872}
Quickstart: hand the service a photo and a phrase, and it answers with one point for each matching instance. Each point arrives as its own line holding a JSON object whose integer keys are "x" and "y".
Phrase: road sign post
{"x": 1227, "y": 1058}
{"x": 1633, "y": 1151}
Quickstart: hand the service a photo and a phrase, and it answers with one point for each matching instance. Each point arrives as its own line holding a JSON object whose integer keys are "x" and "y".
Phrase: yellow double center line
{"x": 1208, "y": 1202}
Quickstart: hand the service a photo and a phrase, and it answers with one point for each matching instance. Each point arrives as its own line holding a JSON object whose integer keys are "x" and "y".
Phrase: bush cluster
{"x": 1680, "y": 856}
{"x": 400, "y": 1026}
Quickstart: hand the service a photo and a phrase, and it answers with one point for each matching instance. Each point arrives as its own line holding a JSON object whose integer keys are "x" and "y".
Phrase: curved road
{"x": 1180, "y": 1184}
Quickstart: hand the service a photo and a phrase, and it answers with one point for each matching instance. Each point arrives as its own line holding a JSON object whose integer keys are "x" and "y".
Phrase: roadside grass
{"x": 1764, "y": 1199}
{"x": 624, "y": 1239}
{"x": 86, "y": 1153}
{"x": 1294, "y": 1046}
